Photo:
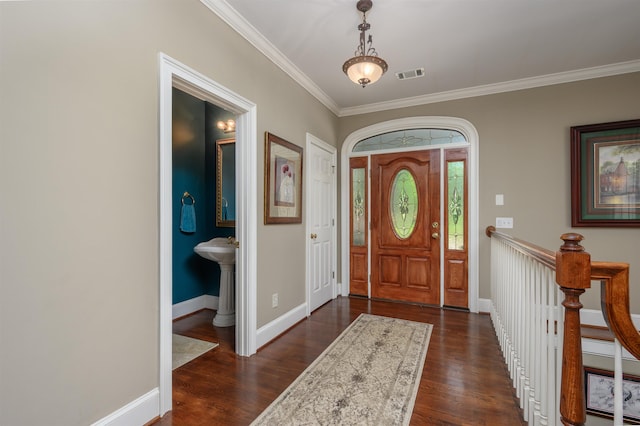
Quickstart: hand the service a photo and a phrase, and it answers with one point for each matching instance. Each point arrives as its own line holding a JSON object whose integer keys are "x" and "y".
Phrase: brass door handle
{"x": 314, "y": 236}
{"x": 435, "y": 235}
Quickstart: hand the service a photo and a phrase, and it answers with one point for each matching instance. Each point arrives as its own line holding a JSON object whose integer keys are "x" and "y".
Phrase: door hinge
{"x": 333, "y": 169}
{"x": 333, "y": 222}
{"x": 333, "y": 274}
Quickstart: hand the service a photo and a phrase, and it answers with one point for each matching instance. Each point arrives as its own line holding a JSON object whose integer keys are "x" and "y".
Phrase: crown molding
{"x": 490, "y": 89}
{"x": 238, "y": 23}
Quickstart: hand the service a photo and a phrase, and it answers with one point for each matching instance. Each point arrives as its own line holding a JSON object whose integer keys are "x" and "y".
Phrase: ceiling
{"x": 466, "y": 47}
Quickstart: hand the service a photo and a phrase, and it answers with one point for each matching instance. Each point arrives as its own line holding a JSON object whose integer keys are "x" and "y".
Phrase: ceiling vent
{"x": 406, "y": 75}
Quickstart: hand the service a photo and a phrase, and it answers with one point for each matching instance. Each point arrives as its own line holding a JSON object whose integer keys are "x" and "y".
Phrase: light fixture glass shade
{"x": 364, "y": 69}
{"x": 227, "y": 126}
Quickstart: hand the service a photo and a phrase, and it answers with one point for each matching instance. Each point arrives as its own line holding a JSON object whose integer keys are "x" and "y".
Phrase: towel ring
{"x": 187, "y": 195}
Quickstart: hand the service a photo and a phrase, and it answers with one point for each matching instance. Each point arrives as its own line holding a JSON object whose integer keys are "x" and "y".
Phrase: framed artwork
{"x": 605, "y": 174}
{"x": 599, "y": 394}
{"x": 283, "y": 181}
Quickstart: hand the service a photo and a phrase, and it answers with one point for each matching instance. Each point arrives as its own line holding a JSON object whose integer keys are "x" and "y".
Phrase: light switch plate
{"x": 499, "y": 199}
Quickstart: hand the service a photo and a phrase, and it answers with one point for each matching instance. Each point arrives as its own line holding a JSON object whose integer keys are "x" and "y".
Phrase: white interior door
{"x": 321, "y": 194}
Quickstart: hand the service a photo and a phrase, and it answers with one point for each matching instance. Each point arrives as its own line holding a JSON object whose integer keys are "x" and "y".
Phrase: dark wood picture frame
{"x": 282, "y": 181}
{"x": 605, "y": 186}
{"x": 598, "y": 388}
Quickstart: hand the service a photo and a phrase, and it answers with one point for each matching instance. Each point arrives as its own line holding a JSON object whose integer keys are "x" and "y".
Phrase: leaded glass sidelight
{"x": 358, "y": 203}
{"x": 455, "y": 205}
{"x": 403, "y": 204}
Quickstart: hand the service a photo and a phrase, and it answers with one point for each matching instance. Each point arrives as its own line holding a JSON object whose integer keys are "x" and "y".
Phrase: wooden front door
{"x": 405, "y": 226}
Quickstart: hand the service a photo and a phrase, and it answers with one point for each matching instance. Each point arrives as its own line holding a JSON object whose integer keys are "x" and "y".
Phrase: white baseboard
{"x": 595, "y": 317}
{"x": 484, "y": 306}
{"x": 194, "y": 305}
{"x": 147, "y": 407}
{"x": 138, "y": 412}
{"x": 588, "y": 317}
{"x": 603, "y": 348}
{"x": 279, "y": 325}
{"x": 342, "y": 290}
{"x": 599, "y": 347}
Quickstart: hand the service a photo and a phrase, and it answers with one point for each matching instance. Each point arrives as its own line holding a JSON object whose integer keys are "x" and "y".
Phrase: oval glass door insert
{"x": 403, "y": 206}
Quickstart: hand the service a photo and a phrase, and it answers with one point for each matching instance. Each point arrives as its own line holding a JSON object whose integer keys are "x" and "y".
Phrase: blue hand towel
{"x": 188, "y": 218}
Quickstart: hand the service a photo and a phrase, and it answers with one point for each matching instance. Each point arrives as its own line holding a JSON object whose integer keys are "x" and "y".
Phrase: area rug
{"x": 186, "y": 349}
{"x": 368, "y": 375}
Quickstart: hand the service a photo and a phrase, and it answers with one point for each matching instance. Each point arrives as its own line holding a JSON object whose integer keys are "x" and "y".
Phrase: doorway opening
{"x": 356, "y": 157}
{"x": 175, "y": 74}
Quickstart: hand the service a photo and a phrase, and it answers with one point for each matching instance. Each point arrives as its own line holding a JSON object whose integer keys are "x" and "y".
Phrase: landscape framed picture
{"x": 599, "y": 388}
{"x": 283, "y": 181}
{"x": 605, "y": 174}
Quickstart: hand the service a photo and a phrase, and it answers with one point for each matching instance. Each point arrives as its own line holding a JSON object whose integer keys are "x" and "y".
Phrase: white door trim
{"x": 453, "y": 123}
{"x": 176, "y": 74}
{"x": 312, "y": 140}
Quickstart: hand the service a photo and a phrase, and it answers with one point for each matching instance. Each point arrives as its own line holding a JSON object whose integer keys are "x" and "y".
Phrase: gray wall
{"x": 524, "y": 154}
{"x": 79, "y": 187}
{"x": 79, "y": 184}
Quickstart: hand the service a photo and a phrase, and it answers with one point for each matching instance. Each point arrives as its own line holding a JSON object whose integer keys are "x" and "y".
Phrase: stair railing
{"x": 535, "y": 295}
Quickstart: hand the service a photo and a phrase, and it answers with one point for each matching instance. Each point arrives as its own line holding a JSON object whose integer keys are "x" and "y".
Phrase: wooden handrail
{"x": 574, "y": 273}
{"x": 544, "y": 256}
{"x": 614, "y": 301}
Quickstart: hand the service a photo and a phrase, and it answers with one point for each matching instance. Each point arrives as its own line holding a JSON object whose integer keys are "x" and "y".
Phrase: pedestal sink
{"x": 222, "y": 251}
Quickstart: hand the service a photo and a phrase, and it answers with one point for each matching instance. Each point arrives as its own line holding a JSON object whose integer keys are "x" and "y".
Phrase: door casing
{"x": 461, "y": 125}
{"x": 176, "y": 74}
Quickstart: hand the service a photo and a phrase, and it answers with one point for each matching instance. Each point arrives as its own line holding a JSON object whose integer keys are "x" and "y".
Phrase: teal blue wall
{"x": 194, "y": 154}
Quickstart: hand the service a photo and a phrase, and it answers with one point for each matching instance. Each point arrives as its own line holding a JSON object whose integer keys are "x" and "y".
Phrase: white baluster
{"x": 526, "y": 313}
{"x": 618, "y": 414}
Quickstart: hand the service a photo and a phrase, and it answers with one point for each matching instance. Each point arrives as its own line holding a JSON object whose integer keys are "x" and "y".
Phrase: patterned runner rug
{"x": 368, "y": 375}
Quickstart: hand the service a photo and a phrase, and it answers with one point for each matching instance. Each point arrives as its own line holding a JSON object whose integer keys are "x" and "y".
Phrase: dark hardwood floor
{"x": 464, "y": 380}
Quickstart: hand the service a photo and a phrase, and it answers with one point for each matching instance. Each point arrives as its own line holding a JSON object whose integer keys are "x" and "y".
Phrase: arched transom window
{"x": 410, "y": 138}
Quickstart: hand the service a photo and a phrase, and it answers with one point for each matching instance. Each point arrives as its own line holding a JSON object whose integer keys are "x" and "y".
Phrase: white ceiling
{"x": 467, "y": 47}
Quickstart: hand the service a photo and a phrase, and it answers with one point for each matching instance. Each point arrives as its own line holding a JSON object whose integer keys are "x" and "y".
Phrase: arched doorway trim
{"x": 453, "y": 123}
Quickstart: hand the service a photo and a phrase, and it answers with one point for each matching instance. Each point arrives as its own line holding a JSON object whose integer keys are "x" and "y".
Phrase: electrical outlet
{"x": 504, "y": 222}
{"x": 274, "y": 300}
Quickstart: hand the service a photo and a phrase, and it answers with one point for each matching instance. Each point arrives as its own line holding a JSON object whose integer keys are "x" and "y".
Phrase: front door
{"x": 405, "y": 226}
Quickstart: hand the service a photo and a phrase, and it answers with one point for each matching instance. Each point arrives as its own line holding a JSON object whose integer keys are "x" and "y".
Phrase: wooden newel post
{"x": 573, "y": 274}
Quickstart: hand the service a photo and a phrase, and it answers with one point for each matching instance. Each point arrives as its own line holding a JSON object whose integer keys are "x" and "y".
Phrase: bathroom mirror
{"x": 226, "y": 183}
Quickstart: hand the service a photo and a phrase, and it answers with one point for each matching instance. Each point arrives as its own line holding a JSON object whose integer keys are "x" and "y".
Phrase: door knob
{"x": 435, "y": 235}
{"x": 435, "y": 225}
{"x": 314, "y": 236}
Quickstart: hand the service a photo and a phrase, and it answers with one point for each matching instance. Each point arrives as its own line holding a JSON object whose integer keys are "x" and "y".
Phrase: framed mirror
{"x": 226, "y": 183}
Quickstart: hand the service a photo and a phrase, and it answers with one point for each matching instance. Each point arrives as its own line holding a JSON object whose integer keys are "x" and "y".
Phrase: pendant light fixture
{"x": 365, "y": 67}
